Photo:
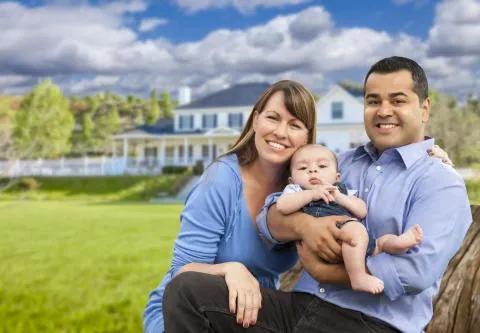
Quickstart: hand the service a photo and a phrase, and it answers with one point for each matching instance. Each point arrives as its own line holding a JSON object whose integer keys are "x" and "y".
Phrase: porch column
{"x": 185, "y": 150}
{"x": 162, "y": 152}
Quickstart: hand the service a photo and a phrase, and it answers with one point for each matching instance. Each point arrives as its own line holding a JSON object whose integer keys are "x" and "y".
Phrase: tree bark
{"x": 457, "y": 304}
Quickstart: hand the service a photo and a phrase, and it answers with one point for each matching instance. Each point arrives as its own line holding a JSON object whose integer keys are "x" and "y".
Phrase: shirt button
{"x": 378, "y": 168}
{"x": 366, "y": 190}
{"x": 322, "y": 290}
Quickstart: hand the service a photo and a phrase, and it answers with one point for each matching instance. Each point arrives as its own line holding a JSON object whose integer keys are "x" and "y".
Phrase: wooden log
{"x": 457, "y": 304}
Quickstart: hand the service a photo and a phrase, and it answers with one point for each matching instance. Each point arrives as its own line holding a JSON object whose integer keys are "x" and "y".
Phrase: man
{"x": 402, "y": 186}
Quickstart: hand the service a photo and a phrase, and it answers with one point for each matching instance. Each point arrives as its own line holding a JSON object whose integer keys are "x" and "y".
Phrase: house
{"x": 207, "y": 127}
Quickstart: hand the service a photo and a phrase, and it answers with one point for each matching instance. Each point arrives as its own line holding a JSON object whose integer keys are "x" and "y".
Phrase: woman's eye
{"x": 296, "y": 126}
{"x": 272, "y": 117}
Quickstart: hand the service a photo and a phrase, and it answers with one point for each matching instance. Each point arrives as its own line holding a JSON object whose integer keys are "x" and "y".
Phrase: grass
{"x": 78, "y": 267}
{"x": 115, "y": 188}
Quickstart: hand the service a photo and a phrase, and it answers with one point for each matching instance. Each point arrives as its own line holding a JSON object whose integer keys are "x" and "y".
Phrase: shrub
{"x": 174, "y": 169}
{"x": 198, "y": 168}
{"x": 28, "y": 184}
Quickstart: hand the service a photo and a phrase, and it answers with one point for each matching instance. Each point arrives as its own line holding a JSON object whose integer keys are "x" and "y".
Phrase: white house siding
{"x": 221, "y": 112}
{"x": 339, "y": 139}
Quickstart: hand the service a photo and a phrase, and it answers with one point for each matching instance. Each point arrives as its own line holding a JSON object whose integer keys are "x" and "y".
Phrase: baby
{"x": 315, "y": 189}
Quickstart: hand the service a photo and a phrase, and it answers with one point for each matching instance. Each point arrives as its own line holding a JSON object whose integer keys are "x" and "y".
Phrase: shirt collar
{"x": 414, "y": 151}
{"x": 409, "y": 153}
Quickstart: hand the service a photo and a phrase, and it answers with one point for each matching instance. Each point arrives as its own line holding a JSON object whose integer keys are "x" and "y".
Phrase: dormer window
{"x": 337, "y": 110}
{"x": 185, "y": 123}
{"x": 209, "y": 121}
{"x": 235, "y": 120}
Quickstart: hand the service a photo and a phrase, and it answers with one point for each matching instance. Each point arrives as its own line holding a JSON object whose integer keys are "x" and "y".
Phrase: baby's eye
{"x": 302, "y": 168}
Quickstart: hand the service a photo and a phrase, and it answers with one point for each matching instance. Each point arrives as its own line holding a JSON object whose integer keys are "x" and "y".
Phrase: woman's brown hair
{"x": 298, "y": 101}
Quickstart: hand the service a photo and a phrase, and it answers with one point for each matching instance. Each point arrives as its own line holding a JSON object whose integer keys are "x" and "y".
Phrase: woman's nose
{"x": 281, "y": 130}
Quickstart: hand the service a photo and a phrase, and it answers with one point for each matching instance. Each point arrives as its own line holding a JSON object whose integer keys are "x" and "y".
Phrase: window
{"x": 190, "y": 151}
{"x": 337, "y": 110}
{"x": 235, "y": 120}
{"x": 150, "y": 152}
{"x": 205, "y": 151}
{"x": 180, "y": 152}
{"x": 185, "y": 122}
{"x": 169, "y": 152}
{"x": 209, "y": 121}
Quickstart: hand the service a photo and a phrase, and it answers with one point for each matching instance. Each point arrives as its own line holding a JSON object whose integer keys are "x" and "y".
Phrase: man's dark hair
{"x": 395, "y": 64}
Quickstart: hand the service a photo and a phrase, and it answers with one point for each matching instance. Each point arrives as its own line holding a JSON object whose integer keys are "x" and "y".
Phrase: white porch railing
{"x": 88, "y": 166}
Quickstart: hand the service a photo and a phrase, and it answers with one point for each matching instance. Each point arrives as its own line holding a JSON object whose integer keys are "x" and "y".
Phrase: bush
{"x": 173, "y": 169}
{"x": 198, "y": 168}
{"x": 28, "y": 184}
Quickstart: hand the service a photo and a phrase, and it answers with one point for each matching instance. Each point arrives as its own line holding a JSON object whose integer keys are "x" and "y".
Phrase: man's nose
{"x": 385, "y": 110}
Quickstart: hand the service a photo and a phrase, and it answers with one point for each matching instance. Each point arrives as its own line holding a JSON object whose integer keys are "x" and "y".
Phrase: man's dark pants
{"x": 197, "y": 302}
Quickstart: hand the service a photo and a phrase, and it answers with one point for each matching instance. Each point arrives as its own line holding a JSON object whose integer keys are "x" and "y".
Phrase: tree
{"x": 455, "y": 129}
{"x": 44, "y": 122}
{"x": 167, "y": 105}
{"x": 153, "y": 110}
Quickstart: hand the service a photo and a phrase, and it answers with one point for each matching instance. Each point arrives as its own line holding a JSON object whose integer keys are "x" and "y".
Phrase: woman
{"x": 218, "y": 234}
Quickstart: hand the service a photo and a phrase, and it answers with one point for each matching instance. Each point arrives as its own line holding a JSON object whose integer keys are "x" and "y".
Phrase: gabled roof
{"x": 245, "y": 94}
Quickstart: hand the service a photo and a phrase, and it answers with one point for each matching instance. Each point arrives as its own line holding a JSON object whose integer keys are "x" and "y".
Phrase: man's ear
{"x": 426, "y": 110}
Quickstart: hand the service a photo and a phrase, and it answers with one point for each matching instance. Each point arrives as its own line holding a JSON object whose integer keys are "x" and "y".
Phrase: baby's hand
{"x": 323, "y": 192}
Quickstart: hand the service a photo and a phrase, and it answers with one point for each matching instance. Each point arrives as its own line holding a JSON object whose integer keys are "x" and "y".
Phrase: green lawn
{"x": 78, "y": 267}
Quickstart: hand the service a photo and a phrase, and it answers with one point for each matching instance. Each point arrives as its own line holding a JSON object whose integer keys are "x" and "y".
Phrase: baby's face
{"x": 312, "y": 166}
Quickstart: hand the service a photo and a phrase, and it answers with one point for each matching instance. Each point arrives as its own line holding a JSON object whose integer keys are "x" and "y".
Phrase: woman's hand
{"x": 244, "y": 297}
{"x": 438, "y": 152}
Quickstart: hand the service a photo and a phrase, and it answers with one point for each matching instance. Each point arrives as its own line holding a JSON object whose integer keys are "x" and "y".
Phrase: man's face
{"x": 393, "y": 116}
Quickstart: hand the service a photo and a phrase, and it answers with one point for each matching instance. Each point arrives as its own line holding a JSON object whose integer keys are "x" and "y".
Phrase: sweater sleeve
{"x": 204, "y": 221}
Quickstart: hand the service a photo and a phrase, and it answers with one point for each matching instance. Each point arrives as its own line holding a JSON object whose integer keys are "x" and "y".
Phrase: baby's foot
{"x": 409, "y": 238}
{"x": 367, "y": 283}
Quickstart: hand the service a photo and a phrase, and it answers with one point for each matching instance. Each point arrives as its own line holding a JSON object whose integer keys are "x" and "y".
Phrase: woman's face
{"x": 278, "y": 134}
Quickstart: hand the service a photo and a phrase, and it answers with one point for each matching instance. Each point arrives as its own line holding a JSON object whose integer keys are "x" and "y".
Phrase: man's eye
{"x": 398, "y": 101}
{"x": 371, "y": 102}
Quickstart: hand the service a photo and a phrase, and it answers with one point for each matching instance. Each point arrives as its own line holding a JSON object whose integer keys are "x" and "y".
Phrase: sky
{"x": 133, "y": 46}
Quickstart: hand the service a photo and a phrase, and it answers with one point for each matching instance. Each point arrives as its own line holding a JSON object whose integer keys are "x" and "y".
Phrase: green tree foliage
{"x": 455, "y": 128}
{"x": 167, "y": 105}
{"x": 153, "y": 110}
{"x": 44, "y": 123}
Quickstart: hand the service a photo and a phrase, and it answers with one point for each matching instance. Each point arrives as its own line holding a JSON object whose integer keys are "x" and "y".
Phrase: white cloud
{"x": 91, "y": 48}
{"x": 456, "y": 29}
{"x": 243, "y": 6}
{"x": 151, "y": 23}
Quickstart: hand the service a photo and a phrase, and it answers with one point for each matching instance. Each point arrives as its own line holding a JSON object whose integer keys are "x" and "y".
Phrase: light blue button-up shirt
{"x": 402, "y": 187}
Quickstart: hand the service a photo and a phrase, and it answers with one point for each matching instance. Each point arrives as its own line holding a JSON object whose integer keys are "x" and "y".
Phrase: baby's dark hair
{"x": 309, "y": 146}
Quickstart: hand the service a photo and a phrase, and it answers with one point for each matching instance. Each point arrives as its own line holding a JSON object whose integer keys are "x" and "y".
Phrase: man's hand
{"x": 323, "y": 238}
